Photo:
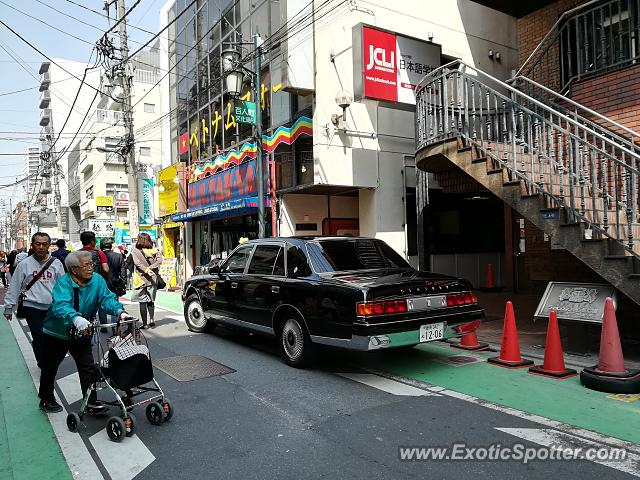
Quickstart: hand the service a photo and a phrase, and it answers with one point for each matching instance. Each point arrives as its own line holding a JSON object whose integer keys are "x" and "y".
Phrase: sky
{"x": 19, "y": 112}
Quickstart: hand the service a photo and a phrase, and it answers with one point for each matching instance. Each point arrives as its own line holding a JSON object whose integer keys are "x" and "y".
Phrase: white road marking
{"x": 554, "y": 438}
{"x": 70, "y": 387}
{"x": 78, "y": 458}
{"x": 23, "y": 322}
{"x": 564, "y": 427}
{"x": 387, "y": 385}
{"x": 122, "y": 460}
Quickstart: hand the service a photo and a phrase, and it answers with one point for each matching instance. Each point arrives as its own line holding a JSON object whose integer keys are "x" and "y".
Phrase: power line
{"x": 45, "y": 23}
{"x": 121, "y": 19}
{"x": 45, "y": 55}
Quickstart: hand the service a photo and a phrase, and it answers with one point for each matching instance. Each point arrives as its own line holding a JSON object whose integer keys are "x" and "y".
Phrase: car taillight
{"x": 367, "y": 309}
{"x": 463, "y": 298}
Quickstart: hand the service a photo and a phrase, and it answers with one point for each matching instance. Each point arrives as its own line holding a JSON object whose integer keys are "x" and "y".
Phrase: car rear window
{"x": 357, "y": 254}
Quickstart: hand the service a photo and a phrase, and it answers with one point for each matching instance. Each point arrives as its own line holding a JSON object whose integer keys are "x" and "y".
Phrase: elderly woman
{"x": 76, "y": 298}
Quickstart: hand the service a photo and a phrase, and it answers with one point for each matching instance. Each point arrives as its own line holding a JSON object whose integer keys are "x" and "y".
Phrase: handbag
{"x": 160, "y": 283}
{"x": 20, "y": 313}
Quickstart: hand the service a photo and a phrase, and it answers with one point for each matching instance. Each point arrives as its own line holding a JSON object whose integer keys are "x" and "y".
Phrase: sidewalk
{"x": 28, "y": 446}
{"x": 532, "y": 333}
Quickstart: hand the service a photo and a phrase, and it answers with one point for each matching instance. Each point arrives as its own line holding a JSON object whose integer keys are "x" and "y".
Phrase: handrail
{"x": 517, "y": 92}
{"x": 563, "y": 98}
{"x": 553, "y": 27}
{"x": 573, "y": 162}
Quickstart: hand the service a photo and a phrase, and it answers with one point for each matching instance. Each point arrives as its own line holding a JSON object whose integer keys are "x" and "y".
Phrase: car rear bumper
{"x": 379, "y": 337}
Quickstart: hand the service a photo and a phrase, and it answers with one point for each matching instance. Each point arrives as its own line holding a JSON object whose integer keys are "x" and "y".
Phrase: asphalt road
{"x": 267, "y": 420}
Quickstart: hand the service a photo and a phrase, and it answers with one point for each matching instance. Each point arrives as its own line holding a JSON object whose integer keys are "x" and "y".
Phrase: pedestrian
{"x": 116, "y": 278}
{"x": 11, "y": 260}
{"x": 100, "y": 265}
{"x": 33, "y": 280}
{"x": 3, "y": 268}
{"x": 76, "y": 299}
{"x": 22, "y": 254}
{"x": 146, "y": 261}
{"x": 62, "y": 252}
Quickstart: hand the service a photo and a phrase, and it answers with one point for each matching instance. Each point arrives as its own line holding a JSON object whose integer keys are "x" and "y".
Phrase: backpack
{"x": 97, "y": 264}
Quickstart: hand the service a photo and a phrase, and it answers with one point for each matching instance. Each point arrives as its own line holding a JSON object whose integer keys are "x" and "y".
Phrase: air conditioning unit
{"x": 122, "y": 201}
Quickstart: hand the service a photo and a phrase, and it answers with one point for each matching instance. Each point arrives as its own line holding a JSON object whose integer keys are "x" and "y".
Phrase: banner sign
{"x": 232, "y": 184}
{"x": 236, "y": 204}
{"x": 392, "y": 65}
{"x": 583, "y": 302}
{"x": 168, "y": 194}
{"x": 104, "y": 204}
{"x": 145, "y": 201}
{"x": 122, "y": 235}
{"x": 102, "y": 228}
{"x": 245, "y": 113}
{"x": 168, "y": 271}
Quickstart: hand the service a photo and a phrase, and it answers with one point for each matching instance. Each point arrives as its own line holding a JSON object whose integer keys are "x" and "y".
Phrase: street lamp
{"x": 234, "y": 73}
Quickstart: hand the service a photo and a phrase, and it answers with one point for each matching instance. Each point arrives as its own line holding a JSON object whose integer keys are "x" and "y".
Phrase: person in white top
{"x": 37, "y": 298}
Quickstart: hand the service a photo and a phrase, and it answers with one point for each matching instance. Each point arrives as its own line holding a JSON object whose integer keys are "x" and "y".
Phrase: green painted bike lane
{"x": 167, "y": 300}
{"x": 28, "y": 446}
{"x": 566, "y": 401}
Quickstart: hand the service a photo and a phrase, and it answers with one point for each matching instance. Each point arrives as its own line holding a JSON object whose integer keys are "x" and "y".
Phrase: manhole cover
{"x": 457, "y": 360}
{"x": 191, "y": 367}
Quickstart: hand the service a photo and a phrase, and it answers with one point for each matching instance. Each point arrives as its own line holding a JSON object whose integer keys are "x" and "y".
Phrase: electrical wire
{"x": 121, "y": 19}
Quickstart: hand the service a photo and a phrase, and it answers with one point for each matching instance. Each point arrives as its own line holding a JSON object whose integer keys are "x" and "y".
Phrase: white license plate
{"x": 433, "y": 331}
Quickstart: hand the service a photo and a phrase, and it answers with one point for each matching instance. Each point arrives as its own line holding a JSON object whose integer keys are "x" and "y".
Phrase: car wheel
{"x": 296, "y": 346}
{"x": 194, "y": 315}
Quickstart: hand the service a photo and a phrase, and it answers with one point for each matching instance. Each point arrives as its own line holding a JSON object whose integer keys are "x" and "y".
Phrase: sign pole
{"x": 257, "y": 93}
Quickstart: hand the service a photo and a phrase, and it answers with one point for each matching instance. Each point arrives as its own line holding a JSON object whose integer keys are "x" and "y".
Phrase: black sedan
{"x": 354, "y": 293}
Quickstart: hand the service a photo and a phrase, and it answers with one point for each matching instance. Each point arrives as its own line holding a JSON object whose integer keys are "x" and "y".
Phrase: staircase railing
{"x": 580, "y": 113}
{"x": 593, "y": 37}
{"x": 576, "y": 167}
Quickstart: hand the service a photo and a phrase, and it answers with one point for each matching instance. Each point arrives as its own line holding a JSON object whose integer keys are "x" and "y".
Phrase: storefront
{"x": 171, "y": 237}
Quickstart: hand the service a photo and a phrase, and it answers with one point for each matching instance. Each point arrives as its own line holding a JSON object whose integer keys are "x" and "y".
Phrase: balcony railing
{"x": 145, "y": 76}
{"x": 592, "y": 38}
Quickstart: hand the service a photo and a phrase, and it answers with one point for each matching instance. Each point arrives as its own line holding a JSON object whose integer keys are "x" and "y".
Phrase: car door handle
{"x": 234, "y": 284}
{"x": 275, "y": 289}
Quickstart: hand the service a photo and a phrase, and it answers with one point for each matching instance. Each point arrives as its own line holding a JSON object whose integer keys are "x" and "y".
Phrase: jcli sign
{"x": 380, "y": 75}
{"x": 391, "y": 65}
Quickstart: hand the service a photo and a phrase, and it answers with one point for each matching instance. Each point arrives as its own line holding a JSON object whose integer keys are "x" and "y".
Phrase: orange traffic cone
{"x": 510, "y": 348}
{"x": 470, "y": 342}
{"x": 610, "y": 359}
{"x": 553, "y": 365}
{"x": 610, "y": 375}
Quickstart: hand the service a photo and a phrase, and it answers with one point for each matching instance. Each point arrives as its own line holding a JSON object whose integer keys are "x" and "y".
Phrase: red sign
{"x": 380, "y": 67}
{"x": 184, "y": 143}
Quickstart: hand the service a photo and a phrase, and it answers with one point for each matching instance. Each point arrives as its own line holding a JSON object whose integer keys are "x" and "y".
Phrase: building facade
{"x": 330, "y": 170}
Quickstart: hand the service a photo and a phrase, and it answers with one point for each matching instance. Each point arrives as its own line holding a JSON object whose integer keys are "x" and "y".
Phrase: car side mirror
{"x": 214, "y": 269}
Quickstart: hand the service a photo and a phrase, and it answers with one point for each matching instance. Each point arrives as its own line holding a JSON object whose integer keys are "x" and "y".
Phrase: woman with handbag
{"x": 146, "y": 277}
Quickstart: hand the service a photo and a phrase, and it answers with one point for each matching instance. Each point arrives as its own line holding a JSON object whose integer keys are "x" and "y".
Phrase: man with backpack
{"x": 62, "y": 252}
{"x": 117, "y": 276}
{"x": 100, "y": 264}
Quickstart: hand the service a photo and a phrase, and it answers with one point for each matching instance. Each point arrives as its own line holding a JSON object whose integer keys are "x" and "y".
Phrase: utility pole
{"x": 128, "y": 122}
{"x": 258, "y": 98}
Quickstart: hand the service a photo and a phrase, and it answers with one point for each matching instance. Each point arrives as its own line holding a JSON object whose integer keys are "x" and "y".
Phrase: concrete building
{"x": 332, "y": 170}
{"x": 59, "y": 81}
{"x": 97, "y": 172}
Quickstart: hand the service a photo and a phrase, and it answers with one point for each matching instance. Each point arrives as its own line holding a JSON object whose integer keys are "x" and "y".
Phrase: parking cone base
{"x": 475, "y": 348}
{"x": 538, "y": 370}
{"x": 629, "y": 382}
{"x": 509, "y": 364}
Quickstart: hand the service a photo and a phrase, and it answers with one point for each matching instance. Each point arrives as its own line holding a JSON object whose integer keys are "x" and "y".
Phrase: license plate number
{"x": 433, "y": 331}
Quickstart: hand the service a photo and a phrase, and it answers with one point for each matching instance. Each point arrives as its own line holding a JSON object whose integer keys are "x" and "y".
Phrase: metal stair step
{"x": 465, "y": 149}
{"x": 494, "y": 171}
{"x": 617, "y": 257}
{"x": 511, "y": 183}
{"x": 634, "y": 275}
{"x": 479, "y": 160}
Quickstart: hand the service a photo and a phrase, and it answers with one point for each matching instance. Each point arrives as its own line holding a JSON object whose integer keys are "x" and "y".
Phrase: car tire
{"x": 194, "y": 315}
{"x": 295, "y": 343}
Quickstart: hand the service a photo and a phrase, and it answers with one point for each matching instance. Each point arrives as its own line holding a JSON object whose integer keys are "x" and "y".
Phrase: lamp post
{"x": 234, "y": 77}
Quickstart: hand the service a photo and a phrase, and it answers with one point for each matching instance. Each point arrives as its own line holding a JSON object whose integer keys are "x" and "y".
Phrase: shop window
{"x": 264, "y": 259}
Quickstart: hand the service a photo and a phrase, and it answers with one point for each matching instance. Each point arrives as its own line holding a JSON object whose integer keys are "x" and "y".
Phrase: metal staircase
{"x": 573, "y": 174}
